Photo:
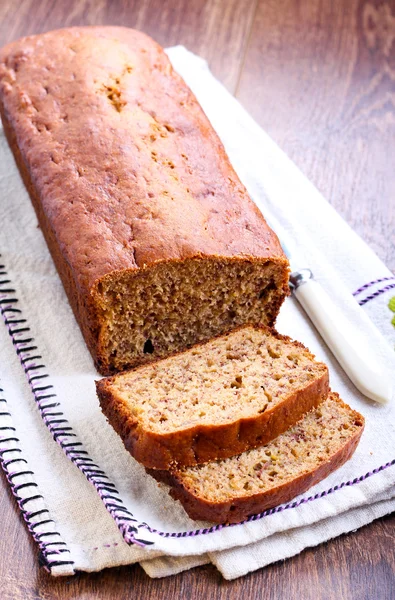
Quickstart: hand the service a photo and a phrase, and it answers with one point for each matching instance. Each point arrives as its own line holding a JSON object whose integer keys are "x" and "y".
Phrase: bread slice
{"x": 214, "y": 400}
{"x": 231, "y": 490}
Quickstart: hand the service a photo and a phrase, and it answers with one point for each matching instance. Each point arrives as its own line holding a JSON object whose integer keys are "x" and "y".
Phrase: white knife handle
{"x": 348, "y": 344}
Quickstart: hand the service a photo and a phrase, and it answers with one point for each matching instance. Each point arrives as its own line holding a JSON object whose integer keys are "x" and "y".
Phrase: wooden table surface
{"x": 319, "y": 76}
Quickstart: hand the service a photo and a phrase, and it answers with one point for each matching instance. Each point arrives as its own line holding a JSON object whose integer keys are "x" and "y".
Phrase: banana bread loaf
{"x": 156, "y": 240}
{"x": 214, "y": 400}
{"x": 233, "y": 489}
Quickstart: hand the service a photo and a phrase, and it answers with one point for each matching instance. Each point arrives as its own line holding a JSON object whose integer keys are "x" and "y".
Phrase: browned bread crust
{"x": 125, "y": 172}
{"x": 201, "y": 443}
{"x": 236, "y": 509}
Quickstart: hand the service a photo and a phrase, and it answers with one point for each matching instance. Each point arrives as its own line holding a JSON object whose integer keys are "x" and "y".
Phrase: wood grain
{"x": 217, "y": 30}
{"x": 319, "y": 76}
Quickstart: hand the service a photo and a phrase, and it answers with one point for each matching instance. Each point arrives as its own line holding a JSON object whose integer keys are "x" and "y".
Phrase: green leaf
{"x": 393, "y": 321}
{"x": 391, "y": 305}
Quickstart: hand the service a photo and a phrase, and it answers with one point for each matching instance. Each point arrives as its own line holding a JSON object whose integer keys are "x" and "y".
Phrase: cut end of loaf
{"x": 173, "y": 305}
{"x": 155, "y": 238}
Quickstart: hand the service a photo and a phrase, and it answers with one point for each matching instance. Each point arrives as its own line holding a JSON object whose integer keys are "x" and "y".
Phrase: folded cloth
{"x": 99, "y": 508}
{"x": 236, "y": 562}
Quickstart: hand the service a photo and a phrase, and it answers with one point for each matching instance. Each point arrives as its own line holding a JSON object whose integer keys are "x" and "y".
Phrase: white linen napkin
{"x": 67, "y": 514}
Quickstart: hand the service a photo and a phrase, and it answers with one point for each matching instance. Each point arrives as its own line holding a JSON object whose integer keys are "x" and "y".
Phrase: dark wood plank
{"x": 215, "y": 29}
{"x": 318, "y": 85}
{"x": 319, "y": 77}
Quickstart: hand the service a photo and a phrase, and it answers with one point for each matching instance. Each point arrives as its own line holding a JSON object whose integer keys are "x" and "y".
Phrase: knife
{"x": 348, "y": 344}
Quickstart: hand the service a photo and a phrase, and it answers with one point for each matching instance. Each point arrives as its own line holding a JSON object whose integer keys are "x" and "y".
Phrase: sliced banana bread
{"x": 155, "y": 238}
{"x": 214, "y": 400}
{"x": 231, "y": 490}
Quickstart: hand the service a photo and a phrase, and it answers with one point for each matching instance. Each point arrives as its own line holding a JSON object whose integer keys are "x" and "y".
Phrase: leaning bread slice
{"x": 233, "y": 489}
{"x": 216, "y": 400}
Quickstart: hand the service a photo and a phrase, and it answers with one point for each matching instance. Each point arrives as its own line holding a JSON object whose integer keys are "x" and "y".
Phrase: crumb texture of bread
{"x": 155, "y": 238}
{"x": 215, "y": 400}
{"x": 233, "y": 489}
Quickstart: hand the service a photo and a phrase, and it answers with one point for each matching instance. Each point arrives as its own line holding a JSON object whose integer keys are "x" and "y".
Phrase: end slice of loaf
{"x": 215, "y": 400}
{"x": 231, "y": 490}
